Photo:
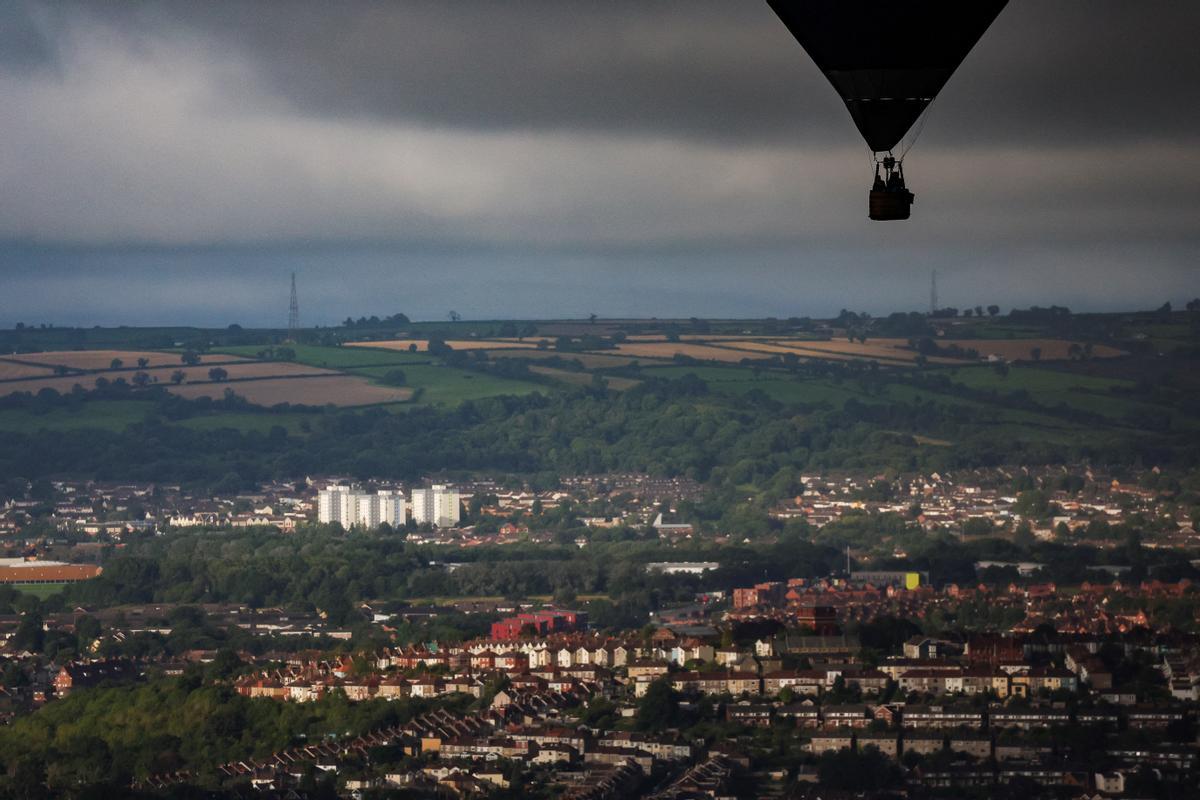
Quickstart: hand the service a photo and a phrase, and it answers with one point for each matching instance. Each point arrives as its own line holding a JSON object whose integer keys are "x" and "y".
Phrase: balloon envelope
{"x": 887, "y": 59}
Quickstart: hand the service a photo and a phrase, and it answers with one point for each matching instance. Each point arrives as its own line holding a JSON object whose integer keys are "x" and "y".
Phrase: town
{"x": 545, "y": 698}
{"x": 978, "y": 502}
{"x": 1087, "y": 687}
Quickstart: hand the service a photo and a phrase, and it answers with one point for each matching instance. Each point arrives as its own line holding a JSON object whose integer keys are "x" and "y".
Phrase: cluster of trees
{"x": 950, "y": 312}
{"x": 902, "y": 325}
{"x": 322, "y": 570}
{"x": 104, "y": 738}
{"x": 191, "y": 628}
{"x": 374, "y": 321}
{"x": 928, "y": 346}
{"x": 669, "y": 428}
{"x": 577, "y": 344}
{"x": 394, "y": 377}
{"x": 1038, "y": 314}
{"x": 278, "y": 353}
{"x": 316, "y": 570}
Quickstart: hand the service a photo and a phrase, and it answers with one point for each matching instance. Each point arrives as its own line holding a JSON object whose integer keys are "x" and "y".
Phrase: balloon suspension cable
{"x": 920, "y": 128}
{"x": 883, "y": 157}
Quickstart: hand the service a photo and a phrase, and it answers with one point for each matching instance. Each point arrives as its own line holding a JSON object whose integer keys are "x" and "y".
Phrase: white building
{"x": 334, "y": 504}
{"x": 374, "y": 510}
{"x": 348, "y": 507}
{"x": 438, "y": 505}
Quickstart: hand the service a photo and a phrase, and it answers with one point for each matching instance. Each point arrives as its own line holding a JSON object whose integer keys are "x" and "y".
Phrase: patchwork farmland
{"x": 102, "y": 359}
{"x": 261, "y": 382}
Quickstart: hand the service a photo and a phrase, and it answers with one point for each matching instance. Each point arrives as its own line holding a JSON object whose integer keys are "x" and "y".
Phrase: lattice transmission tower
{"x": 294, "y": 313}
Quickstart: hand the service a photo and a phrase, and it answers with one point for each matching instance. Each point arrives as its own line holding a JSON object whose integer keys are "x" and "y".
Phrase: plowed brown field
{"x": 339, "y": 390}
{"x": 10, "y": 370}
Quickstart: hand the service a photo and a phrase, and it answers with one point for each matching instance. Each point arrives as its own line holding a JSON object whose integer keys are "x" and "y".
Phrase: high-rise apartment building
{"x": 374, "y": 510}
{"x": 438, "y": 505}
{"x": 336, "y": 504}
{"x": 348, "y": 507}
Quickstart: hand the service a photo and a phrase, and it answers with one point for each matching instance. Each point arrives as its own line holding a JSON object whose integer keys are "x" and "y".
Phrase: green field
{"x": 110, "y": 415}
{"x": 449, "y": 386}
{"x": 1051, "y": 388}
{"x": 709, "y": 375}
{"x": 116, "y": 415}
{"x": 1034, "y": 380}
{"x": 1163, "y": 330}
{"x": 776, "y": 385}
{"x": 249, "y": 421}
{"x": 998, "y": 328}
{"x": 338, "y": 357}
{"x": 571, "y": 378}
{"x": 1010, "y": 422}
{"x": 1118, "y": 409}
{"x": 1047, "y": 387}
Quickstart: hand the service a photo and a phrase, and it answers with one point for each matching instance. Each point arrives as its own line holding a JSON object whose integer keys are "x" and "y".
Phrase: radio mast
{"x": 294, "y": 313}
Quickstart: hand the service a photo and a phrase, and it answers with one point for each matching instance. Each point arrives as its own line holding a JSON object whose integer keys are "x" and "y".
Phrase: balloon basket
{"x": 890, "y": 205}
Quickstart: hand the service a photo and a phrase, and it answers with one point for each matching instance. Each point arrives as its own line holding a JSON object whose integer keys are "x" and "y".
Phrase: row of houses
{"x": 859, "y": 716}
{"x": 566, "y": 746}
{"x": 300, "y": 688}
{"x": 710, "y": 778}
{"x": 426, "y": 733}
{"x": 948, "y": 679}
{"x": 586, "y": 649}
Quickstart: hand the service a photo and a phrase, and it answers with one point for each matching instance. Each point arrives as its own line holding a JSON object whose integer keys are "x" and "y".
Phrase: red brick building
{"x": 762, "y": 594}
{"x": 538, "y": 623}
{"x": 822, "y": 619}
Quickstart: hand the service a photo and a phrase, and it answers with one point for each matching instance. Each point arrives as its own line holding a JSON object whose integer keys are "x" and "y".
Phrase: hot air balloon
{"x": 887, "y": 59}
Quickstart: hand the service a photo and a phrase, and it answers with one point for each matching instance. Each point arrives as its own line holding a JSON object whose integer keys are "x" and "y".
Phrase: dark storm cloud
{"x": 1061, "y": 71}
{"x": 695, "y": 69}
{"x": 567, "y": 156}
{"x": 24, "y": 41}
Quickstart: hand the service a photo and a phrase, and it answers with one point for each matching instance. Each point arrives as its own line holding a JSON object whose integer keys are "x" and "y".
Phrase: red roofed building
{"x": 539, "y": 623}
{"x": 60, "y": 573}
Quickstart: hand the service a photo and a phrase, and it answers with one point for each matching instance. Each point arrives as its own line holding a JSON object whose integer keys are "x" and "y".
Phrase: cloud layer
{"x": 609, "y": 131}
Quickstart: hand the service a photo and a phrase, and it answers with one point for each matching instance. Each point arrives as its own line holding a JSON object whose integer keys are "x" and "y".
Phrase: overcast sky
{"x": 167, "y": 162}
